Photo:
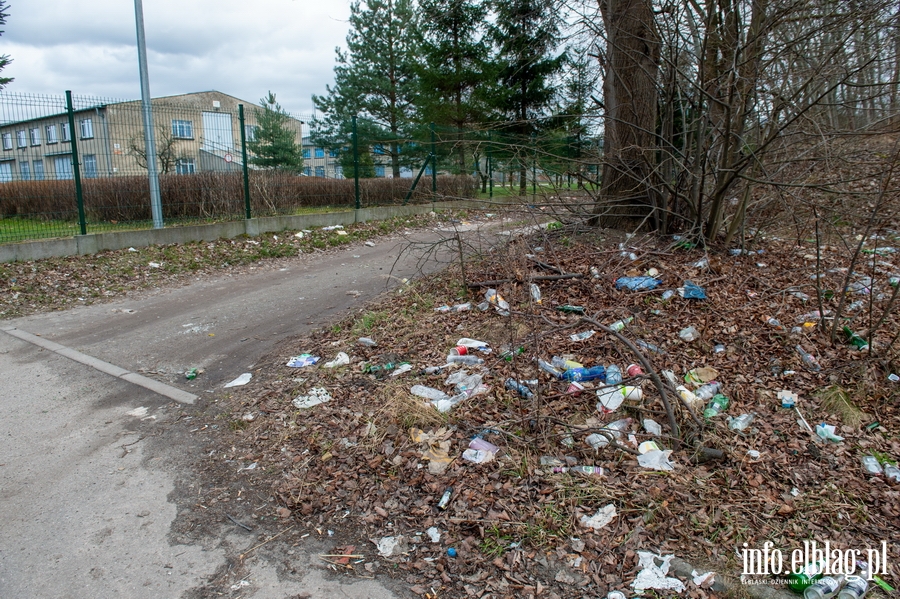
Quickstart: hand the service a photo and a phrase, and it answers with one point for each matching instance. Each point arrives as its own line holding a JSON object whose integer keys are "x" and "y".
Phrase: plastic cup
{"x": 634, "y": 370}
{"x": 575, "y": 389}
{"x": 459, "y": 350}
{"x": 632, "y": 393}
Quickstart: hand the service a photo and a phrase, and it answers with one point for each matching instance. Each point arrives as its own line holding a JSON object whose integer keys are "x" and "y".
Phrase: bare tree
{"x": 165, "y": 150}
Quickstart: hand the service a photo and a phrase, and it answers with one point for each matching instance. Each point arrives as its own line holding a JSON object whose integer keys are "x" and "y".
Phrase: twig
{"x": 547, "y": 266}
{"x": 243, "y": 555}
{"x": 534, "y": 278}
{"x": 244, "y": 526}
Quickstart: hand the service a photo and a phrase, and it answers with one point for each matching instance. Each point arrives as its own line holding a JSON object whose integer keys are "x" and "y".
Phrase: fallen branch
{"x": 534, "y": 278}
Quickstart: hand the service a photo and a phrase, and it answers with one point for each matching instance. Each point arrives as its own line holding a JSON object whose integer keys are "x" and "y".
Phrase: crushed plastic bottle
{"x": 494, "y": 298}
{"x": 457, "y": 308}
{"x": 648, "y": 346}
{"x": 191, "y": 374}
{"x": 367, "y": 341}
{"x": 429, "y": 393}
{"x": 892, "y": 472}
{"x": 583, "y": 470}
{"x": 667, "y": 295}
{"x": 535, "y": 293}
{"x": 613, "y": 375}
{"x": 774, "y": 323}
{"x": 870, "y": 465}
{"x": 689, "y": 334}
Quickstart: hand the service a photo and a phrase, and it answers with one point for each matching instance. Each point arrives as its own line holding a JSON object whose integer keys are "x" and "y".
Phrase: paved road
{"x": 91, "y": 464}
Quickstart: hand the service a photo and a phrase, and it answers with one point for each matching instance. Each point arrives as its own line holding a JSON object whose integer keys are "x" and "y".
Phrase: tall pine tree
{"x": 4, "y": 59}
{"x": 274, "y": 145}
{"x": 453, "y": 68}
{"x": 526, "y": 35}
{"x": 374, "y": 78}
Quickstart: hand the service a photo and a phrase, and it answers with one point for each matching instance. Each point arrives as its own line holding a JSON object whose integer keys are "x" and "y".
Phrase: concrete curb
{"x": 163, "y": 389}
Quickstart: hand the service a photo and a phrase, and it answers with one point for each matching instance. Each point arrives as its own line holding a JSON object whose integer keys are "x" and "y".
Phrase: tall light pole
{"x": 149, "y": 141}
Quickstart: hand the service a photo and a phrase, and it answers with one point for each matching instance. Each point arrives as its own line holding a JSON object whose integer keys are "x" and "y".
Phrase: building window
{"x": 25, "y": 169}
{"x": 51, "y": 133}
{"x": 250, "y": 132}
{"x": 184, "y": 166}
{"x": 305, "y": 151}
{"x": 333, "y": 153}
{"x": 35, "y": 135}
{"x": 5, "y": 172}
{"x": 182, "y": 129}
{"x": 63, "y": 167}
{"x": 379, "y": 170}
{"x": 320, "y": 152}
{"x": 90, "y": 166}
{"x": 7, "y": 141}
{"x": 320, "y": 171}
{"x": 307, "y": 171}
{"x": 378, "y": 149}
{"x": 38, "y": 170}
{"x": 66, "y": 136}
{"x": 21, "y": 139}
{"x": 338, "y": 172}
{"x": 87, "y": 128}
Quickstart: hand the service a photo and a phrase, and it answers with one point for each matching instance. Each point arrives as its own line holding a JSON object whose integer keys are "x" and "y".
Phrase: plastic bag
{"x": 692, "y": 291}
{"x": 637, "y": 283}
{"x": 656, "y": 460}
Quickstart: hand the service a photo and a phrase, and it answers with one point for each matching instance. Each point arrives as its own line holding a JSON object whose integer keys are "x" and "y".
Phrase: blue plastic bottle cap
{"x": 451, "y": 552}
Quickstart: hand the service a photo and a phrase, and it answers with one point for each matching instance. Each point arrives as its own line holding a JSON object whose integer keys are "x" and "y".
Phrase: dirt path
{"x": 97, "y": 477}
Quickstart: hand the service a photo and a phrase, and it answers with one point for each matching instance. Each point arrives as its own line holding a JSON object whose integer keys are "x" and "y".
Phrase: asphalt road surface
{"x": 92, "y": 465}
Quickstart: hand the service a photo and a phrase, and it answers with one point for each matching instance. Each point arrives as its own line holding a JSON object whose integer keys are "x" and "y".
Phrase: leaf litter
{"x": 513, "y": 525}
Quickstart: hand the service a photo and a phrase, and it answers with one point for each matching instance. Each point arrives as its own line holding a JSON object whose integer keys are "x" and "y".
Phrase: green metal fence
{"x": 81, "y": 168}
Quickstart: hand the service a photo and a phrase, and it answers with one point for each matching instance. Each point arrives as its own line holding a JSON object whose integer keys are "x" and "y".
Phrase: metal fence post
{"x": 76, "y": 170}
{"x": 533, "y": 166}
{"x": 490, "y": 168}
{"x": 433, "y": 163}
{"x": 355, "y": 164}
{"x": 247, "y": 214}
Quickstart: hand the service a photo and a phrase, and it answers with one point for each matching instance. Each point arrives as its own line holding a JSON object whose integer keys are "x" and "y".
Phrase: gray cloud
{"x": 239, "y": 48}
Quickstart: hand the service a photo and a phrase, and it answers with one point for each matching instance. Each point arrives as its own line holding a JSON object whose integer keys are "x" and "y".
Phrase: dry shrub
{"x": 399, "y": 408}
{"x": 836, "y": 400}
{"x": 212, "y": 195}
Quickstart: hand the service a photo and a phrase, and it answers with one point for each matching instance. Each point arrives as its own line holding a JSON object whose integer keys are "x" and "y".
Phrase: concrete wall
{"x": 98, "y": 242}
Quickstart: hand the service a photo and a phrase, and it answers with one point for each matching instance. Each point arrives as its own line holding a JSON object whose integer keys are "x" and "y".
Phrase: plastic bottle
{"x": 774, "y": 323}
{"x": 595, "y": 272}
{"x": 613, "y": 375}
{"x": 857, "y": 586}
{"x": 367, "y": 341}
{"x": 620, "y": 324}
{"x": 514, "y": 385}
{"x": 585, "y": 374}
{"x": 586, "y": 470}
{"x": 717, "y": 405}
{"x": 824, "y": 588}
{"x": 470, "y": 360}
{"x": 648, "y": 346}
{"x": 496, "y": 300}
{"x": 667, "y": 294}
{"x": 688, "y": 396}
{"x": 582, "y": 336}
{"x": 549, "y": 369}
{"x": 564, "y": 364}
{"x": 808, "y": 359}
{"x": 535, "y": 293}
{"x": 741, "y": 422}
{"x": 707, "y": 391}
{"x": 568, "y": 309}
{"x": 191, "y": 374}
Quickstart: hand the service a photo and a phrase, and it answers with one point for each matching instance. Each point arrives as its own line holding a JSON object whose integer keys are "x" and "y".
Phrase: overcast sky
{"x": 242, "y": 48}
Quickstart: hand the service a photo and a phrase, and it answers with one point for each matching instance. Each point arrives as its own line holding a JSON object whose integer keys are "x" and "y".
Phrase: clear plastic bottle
{"x": 535, "y": 293}
{"x": 367, "y": 341}
{"x": 467, "y": 359}
{"x": 870, "y": 465}
{"x": 708, "y": 391}
{"x": 717, "y": 405}
{"x": 549, "y": 369}
{"x": 741, "y": 422}
{"x": 824, "y": 588}
{"x": 514, "y": 385}
{"x": 808, "y": 359}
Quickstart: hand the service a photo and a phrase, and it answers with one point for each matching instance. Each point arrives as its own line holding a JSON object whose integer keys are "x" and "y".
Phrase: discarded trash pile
{"x": 557, "y": 429}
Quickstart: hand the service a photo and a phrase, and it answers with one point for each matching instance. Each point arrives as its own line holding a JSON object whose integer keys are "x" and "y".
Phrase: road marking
{"x": 111, "y": 369}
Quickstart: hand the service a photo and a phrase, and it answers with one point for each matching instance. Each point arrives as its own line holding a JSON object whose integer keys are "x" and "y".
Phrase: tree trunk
{"x": 630, "y": 98}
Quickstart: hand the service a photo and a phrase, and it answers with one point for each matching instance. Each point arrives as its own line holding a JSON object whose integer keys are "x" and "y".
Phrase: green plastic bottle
{"x": 718, "y": 404}
{"x": 855, "y": 340}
